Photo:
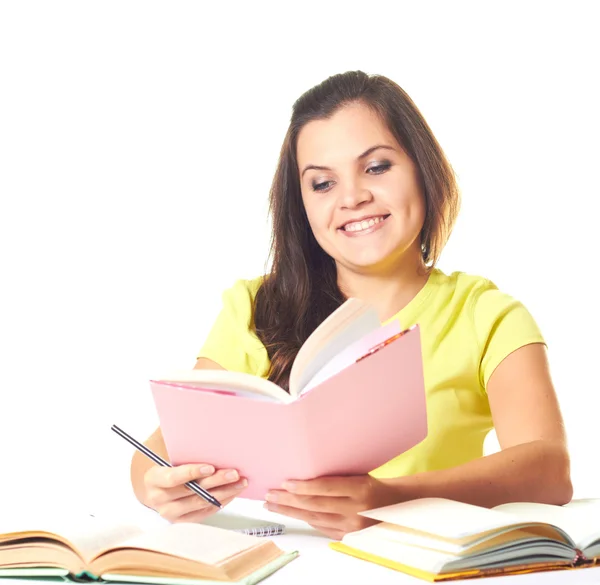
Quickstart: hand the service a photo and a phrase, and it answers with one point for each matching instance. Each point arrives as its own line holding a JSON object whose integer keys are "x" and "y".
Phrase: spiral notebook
{"x": 225, "y": 519}
{"x": 245, "y": 525}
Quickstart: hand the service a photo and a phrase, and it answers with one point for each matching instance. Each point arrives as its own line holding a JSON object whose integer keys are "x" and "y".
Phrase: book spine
{"x": 581, "y": 560}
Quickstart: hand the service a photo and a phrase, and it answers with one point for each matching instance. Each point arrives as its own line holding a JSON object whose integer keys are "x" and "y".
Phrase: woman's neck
{"x": 388, "y": 293}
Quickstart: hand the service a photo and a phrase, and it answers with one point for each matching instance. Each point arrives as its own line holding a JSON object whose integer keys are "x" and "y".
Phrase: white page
{"x": 351, "y": 353}
{"x": 494, "y": 540}
{"x": 445, "y": 518}
{"x": 580, "y": 523}
{"x": 348, "y": 333}
{"x": 197, "y": 542}
{"x": 394, "y": 533}
{"x": 418, "y": 558}
{"x": 591, "y": 505}
{"x": 87, "y": 533}
{"x": 240, "y": 383}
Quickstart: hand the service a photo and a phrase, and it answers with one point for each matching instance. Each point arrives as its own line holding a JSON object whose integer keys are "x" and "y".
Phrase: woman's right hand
{"x": 167, "y": 494}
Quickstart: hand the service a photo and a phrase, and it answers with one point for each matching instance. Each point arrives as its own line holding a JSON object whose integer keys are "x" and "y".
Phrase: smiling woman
{"x": 363, "y": 201}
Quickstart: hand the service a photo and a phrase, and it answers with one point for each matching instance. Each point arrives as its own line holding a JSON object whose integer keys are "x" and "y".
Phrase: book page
{"x": 238, "y": 383}
{"x": 351, "y": 353}
{"x": 86, "y": 533}
{"x": 482, "y": 542}
{"x": 351, "y": 321}
{"x": 437, "y": 555}
{"x": 431, "y": 561}
{"x": 589, "y": 505}
{"x": 580, "y": 521}
{"x": 196, "y": 542}
{"x": 445, "y": 518}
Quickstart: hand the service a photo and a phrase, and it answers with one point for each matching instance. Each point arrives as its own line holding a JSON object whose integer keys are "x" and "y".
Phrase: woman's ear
{"x": 425, "y": 240}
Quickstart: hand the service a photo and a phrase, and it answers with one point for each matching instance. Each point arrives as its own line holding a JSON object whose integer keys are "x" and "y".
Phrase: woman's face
{"x": 360, "y": 191}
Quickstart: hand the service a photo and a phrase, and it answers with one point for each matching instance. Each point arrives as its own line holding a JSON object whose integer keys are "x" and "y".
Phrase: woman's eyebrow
{"x": 359, "y": 157}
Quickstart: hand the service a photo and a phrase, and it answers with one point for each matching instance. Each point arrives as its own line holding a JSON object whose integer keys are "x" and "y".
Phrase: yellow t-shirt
{"x": 468, "y": 327}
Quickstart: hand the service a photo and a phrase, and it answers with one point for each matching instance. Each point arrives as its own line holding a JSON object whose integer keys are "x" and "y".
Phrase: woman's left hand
{"x": 331, "y": 504}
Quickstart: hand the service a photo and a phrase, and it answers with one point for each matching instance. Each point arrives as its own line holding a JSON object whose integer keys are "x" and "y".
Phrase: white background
{"x": 137, "y": 145}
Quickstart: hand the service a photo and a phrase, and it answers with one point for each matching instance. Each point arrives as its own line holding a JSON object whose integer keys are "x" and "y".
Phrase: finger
{"x": 220, "y": 478}
{"x": 156, "y": 497}
{"x": 321, "y": 486}
{"x": 335, "y": 505}
{"x": 229, "y": 491}
{"x": 324, "y": 519}
{"x": 175, "y": 509}
{"x": 199, "y": 515}
{"x": 160, "y": 495}
{"x": 169, "y": 477}
{"x": 332, "y": 533}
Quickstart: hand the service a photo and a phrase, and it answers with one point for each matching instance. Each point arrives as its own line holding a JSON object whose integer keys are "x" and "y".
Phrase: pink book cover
{"x": 353, "y": 422}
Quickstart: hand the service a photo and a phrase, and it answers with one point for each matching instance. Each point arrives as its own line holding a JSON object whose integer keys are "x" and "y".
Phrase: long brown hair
{"x": 301, "y": 288}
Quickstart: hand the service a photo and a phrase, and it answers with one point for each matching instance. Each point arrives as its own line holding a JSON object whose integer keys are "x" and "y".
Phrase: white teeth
{"x": 358, "y": 226}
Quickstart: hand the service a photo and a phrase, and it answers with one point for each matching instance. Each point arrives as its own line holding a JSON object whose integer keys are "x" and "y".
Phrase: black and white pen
{"x": 160, "y": 461}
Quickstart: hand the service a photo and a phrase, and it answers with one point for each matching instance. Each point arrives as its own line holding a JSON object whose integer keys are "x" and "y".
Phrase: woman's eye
{"x": 320, "y": 186}
{"x": 374, "y": 170}
{"x": 379, "y": 168}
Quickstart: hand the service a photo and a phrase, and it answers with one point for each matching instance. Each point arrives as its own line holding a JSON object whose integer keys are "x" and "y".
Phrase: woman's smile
{"x": 363, "y": 227}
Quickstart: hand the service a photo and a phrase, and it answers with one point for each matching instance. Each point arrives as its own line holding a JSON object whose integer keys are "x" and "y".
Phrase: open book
{"x": 438, "y": 539}
{"x": 345, "y": 336}
{"x": 356, "y": 400}
{"x": 91, "y": 549}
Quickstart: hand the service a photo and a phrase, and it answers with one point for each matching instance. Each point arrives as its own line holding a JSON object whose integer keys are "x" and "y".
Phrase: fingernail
{"x": 242, "y": 484}
{"x": 289, "y": 486}
{"x": 207, "y": 470}
{"x": 231, "y": 475}
{"x": 271, "y": 497}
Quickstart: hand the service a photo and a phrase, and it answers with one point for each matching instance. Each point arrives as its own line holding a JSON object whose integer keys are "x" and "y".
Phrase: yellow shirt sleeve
{"x": 502, "y": 325}
{"x": 231, "y": 342}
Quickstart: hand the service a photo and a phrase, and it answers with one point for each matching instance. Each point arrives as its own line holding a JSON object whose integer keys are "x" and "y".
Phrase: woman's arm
{"x": 533, "y": 464}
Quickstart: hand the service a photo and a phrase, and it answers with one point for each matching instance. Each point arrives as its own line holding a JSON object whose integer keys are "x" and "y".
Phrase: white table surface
{"x": 318, "y": 564}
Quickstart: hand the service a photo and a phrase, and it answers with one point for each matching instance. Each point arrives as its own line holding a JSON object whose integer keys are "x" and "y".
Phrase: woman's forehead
{"x": 348, "y": 133}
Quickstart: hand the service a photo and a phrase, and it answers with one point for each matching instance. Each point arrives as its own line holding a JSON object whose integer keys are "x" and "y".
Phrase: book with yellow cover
{"x": 439, "y": 540}
{"x": 90, "y": 549}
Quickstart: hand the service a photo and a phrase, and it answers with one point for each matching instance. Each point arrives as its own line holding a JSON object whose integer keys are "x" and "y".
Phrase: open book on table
{"x": 438, "y": 539}
{"x": 356, "y": 400}
{"x": 90, "y": 549}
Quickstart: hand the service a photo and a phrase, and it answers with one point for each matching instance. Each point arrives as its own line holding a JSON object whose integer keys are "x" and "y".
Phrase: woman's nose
{"x": 354, "y": 195}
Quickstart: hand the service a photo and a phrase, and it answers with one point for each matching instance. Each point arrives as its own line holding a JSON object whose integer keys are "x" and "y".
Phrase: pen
{"x": 160, "y": 461}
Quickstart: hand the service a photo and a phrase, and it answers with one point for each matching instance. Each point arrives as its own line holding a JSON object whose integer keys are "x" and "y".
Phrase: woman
{"x": 363, "y": 201}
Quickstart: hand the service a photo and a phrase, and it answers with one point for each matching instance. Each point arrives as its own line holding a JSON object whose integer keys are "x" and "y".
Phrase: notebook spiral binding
{"x": 271, "y": 530}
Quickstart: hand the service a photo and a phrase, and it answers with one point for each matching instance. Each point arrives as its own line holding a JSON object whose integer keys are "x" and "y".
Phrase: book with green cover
{"x": 174, "y": 554}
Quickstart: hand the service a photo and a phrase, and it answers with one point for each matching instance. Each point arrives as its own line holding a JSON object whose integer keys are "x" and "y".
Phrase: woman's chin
{"x": 378, "y": 258}
{"x": 372, "y": 262}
